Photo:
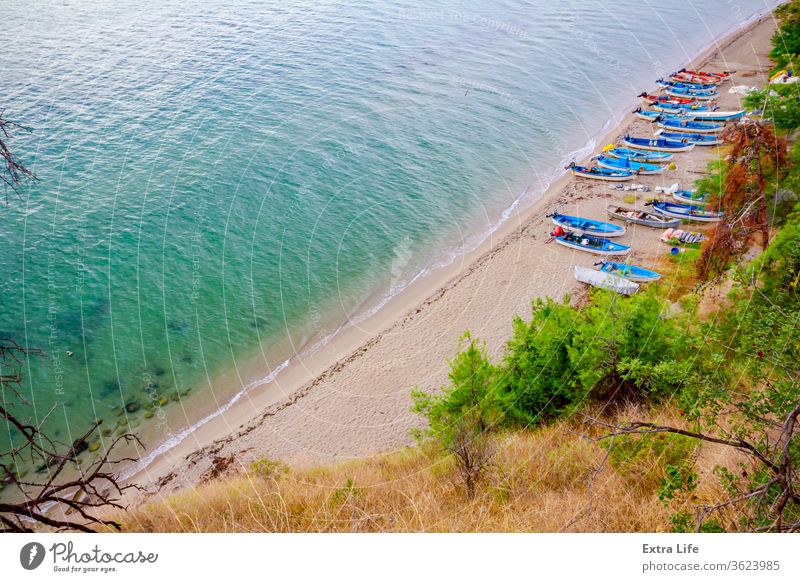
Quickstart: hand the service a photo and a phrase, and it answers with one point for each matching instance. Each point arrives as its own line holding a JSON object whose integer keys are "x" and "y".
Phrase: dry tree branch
{"x": 775, "y": 455}
{"x": 70, "y": 497}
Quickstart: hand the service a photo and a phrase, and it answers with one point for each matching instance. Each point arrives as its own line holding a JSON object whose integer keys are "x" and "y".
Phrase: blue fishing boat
{"x": 698, "y": 198}
{"x": 631, "y": 272}
{"x": 580, "y": 225}
{"x": 640, "y": 155}
{"x": 629, "y": 165}
{"x": 700, "y": 139}
{"x": 687, "y": 212}
{"x": 679, "y": 108}
{"x": 597, "y": 173}
{"x": 656, "y": 144}
{"x": 591, "y": 244}
{"x": 648, "y": 115}
{"x": 714, "y": 115}
{"x": 685, "y": 125}
{"x": 686, "y": 85}
{"x": 700, "y": 95}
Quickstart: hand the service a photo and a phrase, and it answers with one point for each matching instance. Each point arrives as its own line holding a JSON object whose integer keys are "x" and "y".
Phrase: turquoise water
{"x": 242, "y": 177}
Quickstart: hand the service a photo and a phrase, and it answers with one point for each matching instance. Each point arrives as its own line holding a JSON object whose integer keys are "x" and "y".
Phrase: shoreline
{"x": 219, "y": 434}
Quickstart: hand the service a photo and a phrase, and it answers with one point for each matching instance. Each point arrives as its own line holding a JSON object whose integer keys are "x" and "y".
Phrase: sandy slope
{"x": 353, "y": 398}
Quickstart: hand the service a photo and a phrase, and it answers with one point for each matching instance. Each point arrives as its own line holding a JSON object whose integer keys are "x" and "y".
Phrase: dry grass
{"x": 546, "y": 480}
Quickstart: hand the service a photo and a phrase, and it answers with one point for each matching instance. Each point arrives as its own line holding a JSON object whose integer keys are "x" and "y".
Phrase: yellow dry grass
{"x": 550, "y": 479}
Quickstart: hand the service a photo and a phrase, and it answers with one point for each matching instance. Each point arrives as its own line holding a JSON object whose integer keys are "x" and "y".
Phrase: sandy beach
{"x": 352, "y": 398}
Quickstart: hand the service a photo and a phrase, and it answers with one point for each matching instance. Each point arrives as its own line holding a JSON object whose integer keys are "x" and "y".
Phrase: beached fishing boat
{"x": 650, "y": 115}
{"x": 629, "y": 165}
{"x": 698, "y": 198}
{"x": 694, "y": 78}
{"x": 597, "y": 173}
{"x": 591, "y": 244}
{"x": 722, "y": 75}
{"x": 687, "y": 212}
{"x": 640, "y": 155}
{"x": 580, "y": 225}
{"x": 678, "y": 114}
{"x": 700, "y": 95}
{"x": 685, "y": 125}
{"x": 679, "y": 108}
{"x": 667, "y": 84}
{"x": 700, "y": 139}
{"x": 630, "y": 272}
{"x": 651, "y": 99}
{"x": 641, "y": 217}
{"x": 605, "y": 280}
{"x": 655, "y": 144}
{"x": 714, "y": 115}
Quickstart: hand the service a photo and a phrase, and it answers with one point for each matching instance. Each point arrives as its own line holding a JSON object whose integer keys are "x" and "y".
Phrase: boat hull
{"x": 642, "y": 217}
{"x": 699, "y": 96}
{"x": 604, "y": 280}
{"x": 604, "y": 177}
{"x": 641, "y": 168}
{"x": 682, "y": 196}
{"x": 656, "y": 145}
{"x": 641, "y": 155}
{"x": 608, "y": 249}
{"x": 595, "y": 228}
{"x": 715, "y": 115}
{"x": 698, "y": 139}
{"x": 630, "y": 272}
{"x": 686, "y": 212}
{"x": 694, "y": 128}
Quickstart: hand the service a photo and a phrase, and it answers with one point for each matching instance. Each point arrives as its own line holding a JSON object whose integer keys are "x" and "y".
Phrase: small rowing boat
{"x": 700, "y": 95}
{"x": 629, "y": 165}
{"x": 651, "y": 99}
{"x": 640, "y": 155}
{"x": 580, "y": 225}
{"x": 722, "y": 75}
{"x": 641, "y": 217}
{"x": 703, "y": 87}
{"x": 630, "y": 272}
{"x": 591, "y": 244}
{"x": 698, "y": 198}
{"x": 679, "y": 114}
{"x": 651, "y": 116}
{"x": 605, "y": 280}
{"x": 687, "y": 212}
{"x": 685, "y": 125}
{"x": 700, "y": 139}
{"x": 679, "y": 108}
{"x": 694, "y": 78}
{"x": 711, "y": 115}
{"x": 597, "y": 173}
{"x": 656, "y": 144}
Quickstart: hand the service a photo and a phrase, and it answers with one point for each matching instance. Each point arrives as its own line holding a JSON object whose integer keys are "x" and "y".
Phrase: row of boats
{"x": 687, "y": 117}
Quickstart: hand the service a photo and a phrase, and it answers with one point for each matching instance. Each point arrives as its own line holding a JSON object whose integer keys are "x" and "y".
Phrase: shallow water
{"x": 240, "y": 176}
